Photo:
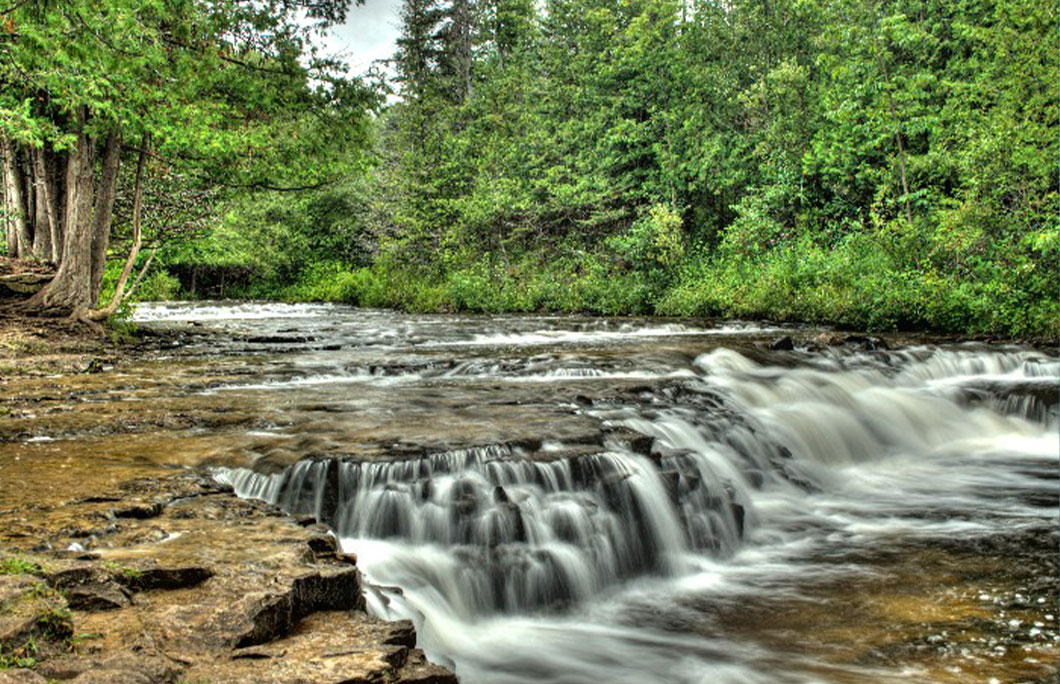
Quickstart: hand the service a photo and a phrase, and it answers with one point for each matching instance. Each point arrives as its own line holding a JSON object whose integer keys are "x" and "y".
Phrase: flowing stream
{"x": 576, "y": 500}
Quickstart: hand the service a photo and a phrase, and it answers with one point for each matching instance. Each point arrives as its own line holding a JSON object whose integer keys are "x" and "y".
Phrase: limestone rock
{"x": 233, "y": 592}
{"x": 97, "y": 597}
{"x": 21, "y": 676}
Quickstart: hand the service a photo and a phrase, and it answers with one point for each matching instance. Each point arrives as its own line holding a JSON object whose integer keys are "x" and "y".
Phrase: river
{"x": 586, "y": 500}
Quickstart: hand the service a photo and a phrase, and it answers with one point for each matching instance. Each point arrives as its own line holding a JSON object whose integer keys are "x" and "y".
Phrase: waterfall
{"x": 529, "y": 534}
{"x": 606, "y": 559}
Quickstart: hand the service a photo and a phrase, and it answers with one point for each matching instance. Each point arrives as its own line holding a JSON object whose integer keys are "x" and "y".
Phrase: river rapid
{"x": 583, "y": 500}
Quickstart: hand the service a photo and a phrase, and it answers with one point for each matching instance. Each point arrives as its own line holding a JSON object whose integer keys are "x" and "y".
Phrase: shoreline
{"x": 132, "y": 571}
{"x": 166, "y": 577}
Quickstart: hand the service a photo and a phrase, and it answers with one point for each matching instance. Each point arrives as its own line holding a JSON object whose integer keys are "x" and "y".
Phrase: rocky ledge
{"x": 171, "y": 579}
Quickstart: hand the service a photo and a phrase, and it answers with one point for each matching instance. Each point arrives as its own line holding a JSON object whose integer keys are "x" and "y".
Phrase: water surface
{"x": 565, "y": 499}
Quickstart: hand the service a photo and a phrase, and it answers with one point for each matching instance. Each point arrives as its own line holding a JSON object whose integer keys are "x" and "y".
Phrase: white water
{"x": 587, "y": 568}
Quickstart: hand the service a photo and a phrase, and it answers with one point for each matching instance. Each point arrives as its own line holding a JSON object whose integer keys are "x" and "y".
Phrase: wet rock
{"x": 417, "y": 670}
{"x": 329, "y": 504}
{"x": 228, "y": 573}
{"x": 671, "y": 480}
{"x": 262, "y": 618}
{"x": 402, "y": 633}
{"x": 14, "y": 587}
{"x": 328, "y": 648}
{"x": 139, "y": 511}
{"x": 783, "y": 344}
{"x": 739, "y": 515}
{"x": 335, "y": 589}
{"x": 866, "y": 343}
{"x": 827, "y": 340}
{"x": 323, "y": 544}
{"x": 76, "y": 574}
{"x": 124, "y": 668}
{"x": 97, "y": 597}
{"x": 636, "y": 442}
{"x": 16, "y": 630}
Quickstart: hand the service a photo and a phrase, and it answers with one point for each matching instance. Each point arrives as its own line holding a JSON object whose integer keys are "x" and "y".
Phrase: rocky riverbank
{"x": 167, "y": 577}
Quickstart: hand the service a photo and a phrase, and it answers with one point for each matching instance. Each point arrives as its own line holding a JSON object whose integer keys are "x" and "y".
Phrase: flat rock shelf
{"x": 186, "y": 583}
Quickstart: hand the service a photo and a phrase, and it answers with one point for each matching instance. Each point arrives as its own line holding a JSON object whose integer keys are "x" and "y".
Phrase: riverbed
{"x": 567, "y": 499}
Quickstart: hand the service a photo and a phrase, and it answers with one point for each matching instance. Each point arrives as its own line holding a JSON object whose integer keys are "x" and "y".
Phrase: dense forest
{"x": 878, "y": 164}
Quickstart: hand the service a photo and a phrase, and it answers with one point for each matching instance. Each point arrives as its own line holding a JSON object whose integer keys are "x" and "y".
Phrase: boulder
{"x": 97, "y": 597}
{"x": 783, "y": 344}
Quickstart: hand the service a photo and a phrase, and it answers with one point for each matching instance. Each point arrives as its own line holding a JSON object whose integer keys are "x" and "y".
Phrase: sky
{"x": 368, "y": 34}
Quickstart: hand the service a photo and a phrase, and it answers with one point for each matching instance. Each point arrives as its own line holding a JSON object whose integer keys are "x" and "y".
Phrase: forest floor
{"x": 36, "y": 346}
{"x": 32, "y": 345}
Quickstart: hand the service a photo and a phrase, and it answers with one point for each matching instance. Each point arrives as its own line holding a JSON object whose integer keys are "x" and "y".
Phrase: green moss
{"x": 121, "y": 571}
{"x": 17, "y": 565}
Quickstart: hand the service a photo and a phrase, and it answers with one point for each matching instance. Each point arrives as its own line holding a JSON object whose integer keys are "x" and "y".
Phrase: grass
{"x": 861, "y": 280}
{"x": 122, "y": 571}
{"x": 17, "y": 565}
{"x": 854, "y": 286}
{"x": 13, "y": 661}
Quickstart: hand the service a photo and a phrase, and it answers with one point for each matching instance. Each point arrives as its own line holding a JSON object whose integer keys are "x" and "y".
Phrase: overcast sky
{"x": 368, "y": 34}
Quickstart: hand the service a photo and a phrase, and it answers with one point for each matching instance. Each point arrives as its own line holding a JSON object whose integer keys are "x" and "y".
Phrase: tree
{"x": 233, "y": 92}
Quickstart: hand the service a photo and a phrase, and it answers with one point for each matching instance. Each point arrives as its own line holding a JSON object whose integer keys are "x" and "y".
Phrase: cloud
{"x": 369, "y": 34}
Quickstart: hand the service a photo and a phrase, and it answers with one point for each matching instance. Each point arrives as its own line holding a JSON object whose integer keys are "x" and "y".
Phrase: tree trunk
{"x": 103, "y": 211}
{"x": 15, "y": 204}
{"x": 10, "y": 229}
{"x": 134, "y": 251}
{"x": 70, "y": 291}
{"x": 43, "y": 208}
{"x": 57, "y": 192}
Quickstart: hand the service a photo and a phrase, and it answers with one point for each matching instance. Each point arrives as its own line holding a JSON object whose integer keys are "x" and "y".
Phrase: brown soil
{"x": 31, "y": 345}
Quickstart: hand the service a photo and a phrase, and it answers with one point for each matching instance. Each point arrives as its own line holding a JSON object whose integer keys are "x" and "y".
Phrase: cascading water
{"x": 525, "y": 534}
{"x": 724, "y": 475}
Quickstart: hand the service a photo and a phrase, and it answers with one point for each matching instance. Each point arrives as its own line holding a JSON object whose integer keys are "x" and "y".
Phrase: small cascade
{"x": 530, "y": 534}
{"x": 692, "y": 475}
{"x": 523, "y": 534}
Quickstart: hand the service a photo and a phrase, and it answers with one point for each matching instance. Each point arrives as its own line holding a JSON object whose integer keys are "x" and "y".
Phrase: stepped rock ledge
{"x": 171, "y": 578}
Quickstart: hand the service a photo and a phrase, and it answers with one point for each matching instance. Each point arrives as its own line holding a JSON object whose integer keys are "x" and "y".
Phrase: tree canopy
{"x": 224, "y": 94}
{"x": 872, "y": 163}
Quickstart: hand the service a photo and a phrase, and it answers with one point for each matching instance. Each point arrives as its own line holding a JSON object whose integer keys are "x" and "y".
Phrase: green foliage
{"x": 17, "y": 565}
{"x": 11, "y": 661}
{"x": 121, "y": 571}
{"x": 56, "y": 624}
{"x": 157, "y": 286}
{"x": 877, "y": 165}
{"x": 654, "y": 239}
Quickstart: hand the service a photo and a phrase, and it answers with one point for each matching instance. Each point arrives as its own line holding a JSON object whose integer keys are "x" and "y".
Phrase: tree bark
{"x": 44, "y": 215}
{"x": 57, "y": 191}
{"x": 15, "y": 203}
{"x": 10, "y": 230}
{"x": 134, "y": 251}
{"x": 103, "y": 212}
{"x": 70, "y": 290}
